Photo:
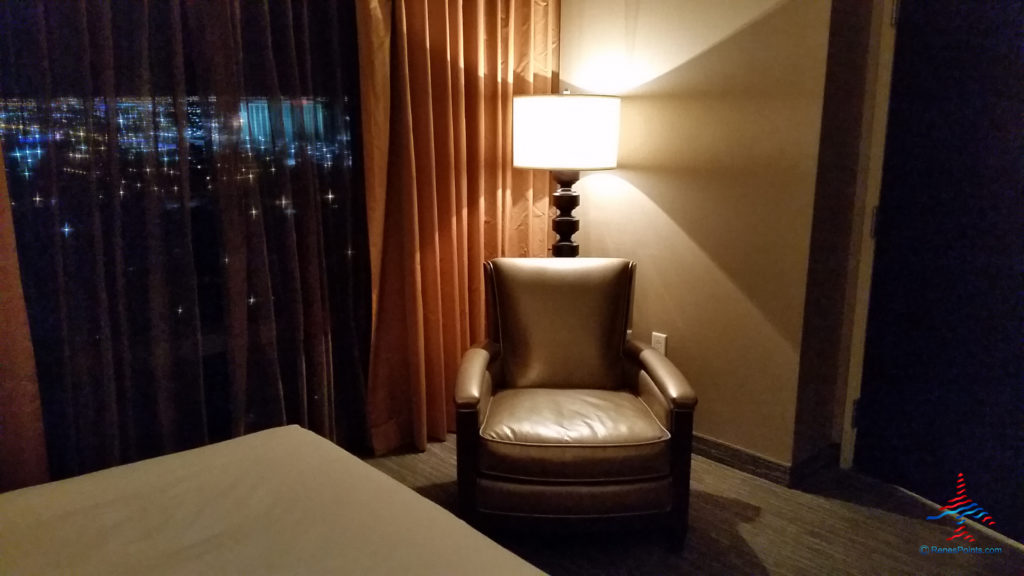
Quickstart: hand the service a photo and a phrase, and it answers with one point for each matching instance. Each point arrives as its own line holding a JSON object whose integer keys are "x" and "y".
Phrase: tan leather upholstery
{"x": 669, "y": 380}
{"x": 473, "y": 381}
{"x": 476, "y": 378}
{"x": 557, "y": 414}
{"x": 562, "y": 322}
{"x": 545, "y": 434}
{"x": 644, "y": 497}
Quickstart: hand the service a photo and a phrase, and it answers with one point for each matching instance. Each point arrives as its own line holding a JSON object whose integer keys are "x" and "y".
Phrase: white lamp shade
{"x": 565, "y": 132}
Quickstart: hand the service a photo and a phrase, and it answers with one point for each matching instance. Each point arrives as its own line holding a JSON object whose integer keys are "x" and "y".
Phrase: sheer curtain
{"x": 186, "y": 190}
{"x": 438, "y": 79}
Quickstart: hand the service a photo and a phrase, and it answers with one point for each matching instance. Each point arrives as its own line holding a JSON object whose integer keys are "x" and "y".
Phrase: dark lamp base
{"x": 565, "y": 224}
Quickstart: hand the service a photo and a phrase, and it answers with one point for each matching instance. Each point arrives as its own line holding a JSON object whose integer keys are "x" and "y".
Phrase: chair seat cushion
{"x": 572, "y": 435}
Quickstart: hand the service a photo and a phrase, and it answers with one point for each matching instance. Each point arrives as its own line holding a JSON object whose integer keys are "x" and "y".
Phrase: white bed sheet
{"x": 281, "y": 501}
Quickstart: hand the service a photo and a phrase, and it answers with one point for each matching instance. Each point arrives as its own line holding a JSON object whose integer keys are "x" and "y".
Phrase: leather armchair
{"x": 557, "y": 413}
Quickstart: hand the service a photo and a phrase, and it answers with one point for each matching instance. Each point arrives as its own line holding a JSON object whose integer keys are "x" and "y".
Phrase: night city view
{"x": 62, "y": 206}
{"x": 148, "y": 140}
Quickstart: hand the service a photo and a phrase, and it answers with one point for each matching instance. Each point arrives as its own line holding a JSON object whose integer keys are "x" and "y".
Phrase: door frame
{"x": 874, "y": 120}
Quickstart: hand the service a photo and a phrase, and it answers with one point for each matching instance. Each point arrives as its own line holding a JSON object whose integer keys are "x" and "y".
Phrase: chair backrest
{"x": 561, "y": 322}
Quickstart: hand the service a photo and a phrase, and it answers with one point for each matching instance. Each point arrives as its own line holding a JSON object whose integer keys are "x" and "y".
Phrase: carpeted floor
{"x": 843, "y": 523}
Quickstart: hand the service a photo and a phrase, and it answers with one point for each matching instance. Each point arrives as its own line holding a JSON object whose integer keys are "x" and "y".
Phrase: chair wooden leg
{"x": 679, "y": 528}
{"x": 682, "y": 446}
{"x": 673, "y": 532}
{"x": 466, "y": 438}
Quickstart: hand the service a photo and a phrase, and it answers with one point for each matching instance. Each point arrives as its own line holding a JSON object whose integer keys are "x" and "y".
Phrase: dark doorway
{"x": 943, "y": 388}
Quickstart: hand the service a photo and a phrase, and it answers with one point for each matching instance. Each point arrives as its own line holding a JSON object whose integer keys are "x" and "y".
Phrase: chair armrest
{"x": 475, "y": 379}
{"x": 668, "y": 379}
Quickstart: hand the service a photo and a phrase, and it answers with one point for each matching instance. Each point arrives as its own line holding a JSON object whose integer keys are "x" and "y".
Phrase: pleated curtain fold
{"x": 22, "y": 439}
{"x": 437, "y": 79}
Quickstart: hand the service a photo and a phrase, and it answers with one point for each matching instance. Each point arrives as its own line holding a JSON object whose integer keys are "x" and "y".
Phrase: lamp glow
{"x": 565, "y": 132}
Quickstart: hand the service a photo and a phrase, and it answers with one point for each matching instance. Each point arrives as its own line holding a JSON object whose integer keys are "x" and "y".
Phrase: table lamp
{"x": 565, "y": 133}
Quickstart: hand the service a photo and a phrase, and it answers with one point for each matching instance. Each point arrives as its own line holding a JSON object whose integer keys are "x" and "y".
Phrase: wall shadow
{"x": 718, "y": 162}
{"x": 613, "y": 46}
{"x": 726, "y": 145}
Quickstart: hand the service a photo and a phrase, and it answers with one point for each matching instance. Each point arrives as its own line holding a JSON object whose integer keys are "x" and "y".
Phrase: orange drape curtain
{"x": 437, "y": 80}
{"x": 22, "y": 443}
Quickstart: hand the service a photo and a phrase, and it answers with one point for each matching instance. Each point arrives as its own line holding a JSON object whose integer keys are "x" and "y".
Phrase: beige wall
{"x": 719, "y": 152}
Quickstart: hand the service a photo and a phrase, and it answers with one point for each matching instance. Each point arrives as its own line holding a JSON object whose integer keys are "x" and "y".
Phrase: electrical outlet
{"x": 659, "y": 341}
{"x": 629, "y": 333}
